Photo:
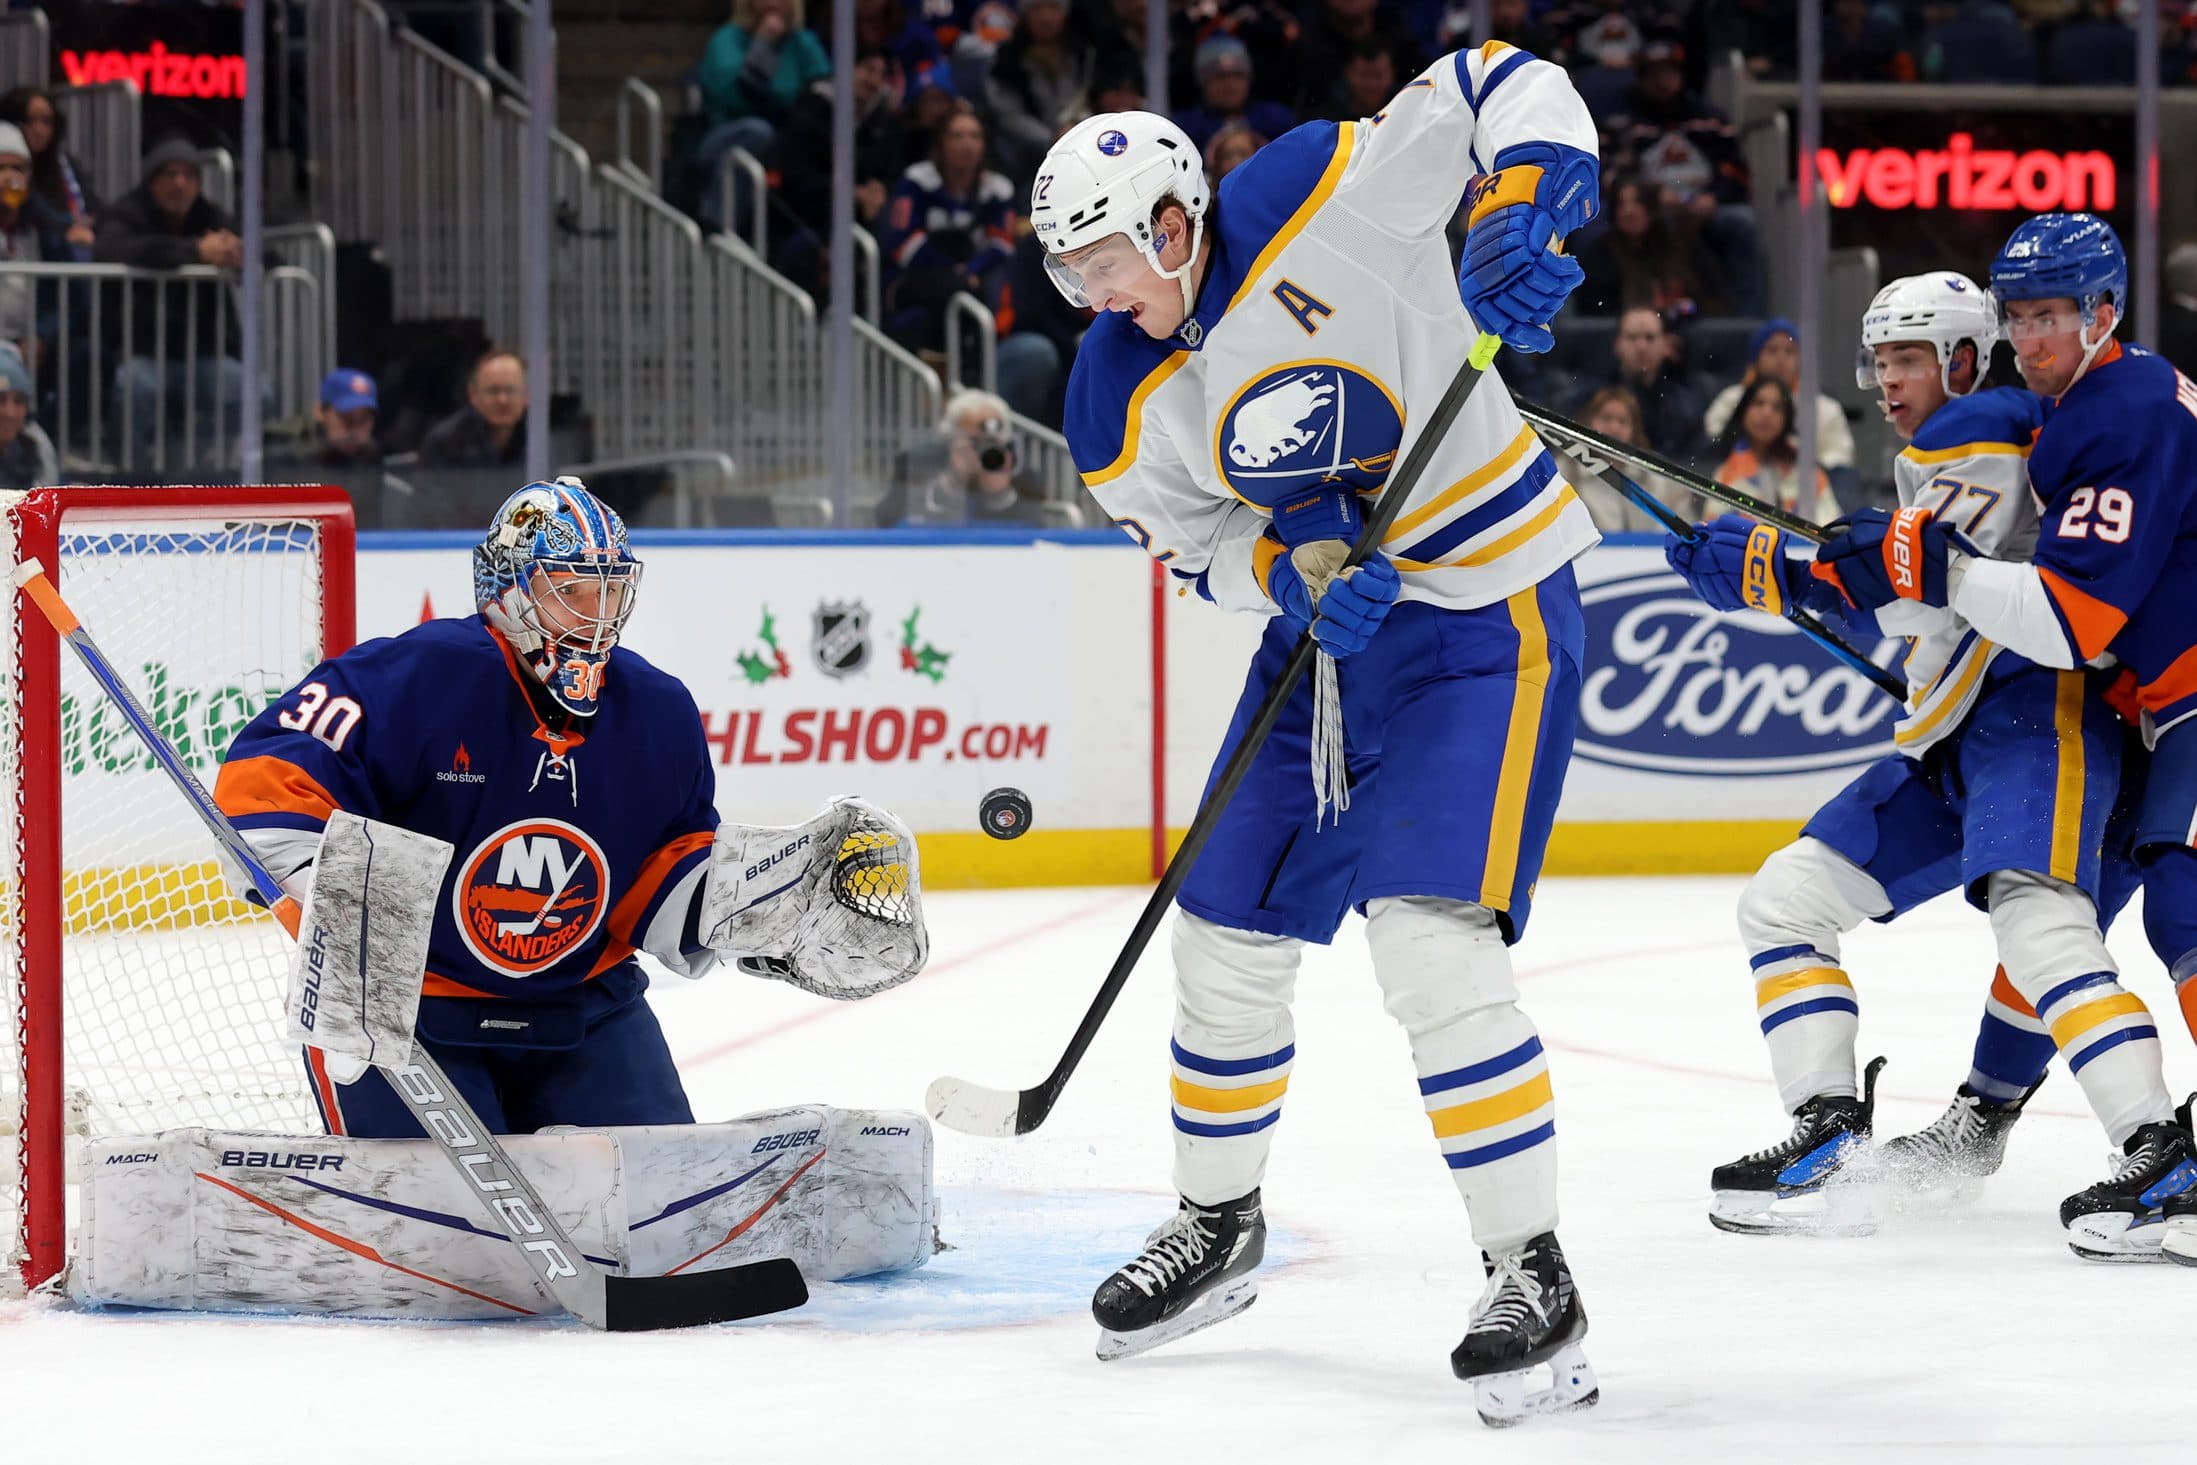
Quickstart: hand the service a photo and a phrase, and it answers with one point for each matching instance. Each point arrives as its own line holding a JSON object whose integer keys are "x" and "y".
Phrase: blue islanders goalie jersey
{"x": 572, "y": 849}
{"x": 1328, "y": 325}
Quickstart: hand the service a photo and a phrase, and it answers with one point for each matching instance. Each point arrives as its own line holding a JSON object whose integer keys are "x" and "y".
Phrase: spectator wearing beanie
{"x": 1774, "y": 351}
{"x": 27, "y": 458}
{"x": 1224, "y": 96}
{"x": 26, "y": 237}
{"x": 59, "y": 188}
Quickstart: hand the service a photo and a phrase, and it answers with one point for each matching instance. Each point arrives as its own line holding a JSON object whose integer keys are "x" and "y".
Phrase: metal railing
{"x": 572, "y": 193}
{"x": 964, "y": 307}
{"x": 740, "y": 160}
{"x": 217, "y": 179}
{"x": 765, "y": 403}
{"x": 870, "y": 260}
{"x": 648, "y": 369}
{"x": 26, "y": 49}
{"x": 144, "y": 362}
{"x": 897, "y": 401}
{"x": 633, "y": 90}
{"x": 1045, "y": 454}
{"x": 311, "y": 248}
{"x": 437, "y": 198}
{"x": 105, "y": 131}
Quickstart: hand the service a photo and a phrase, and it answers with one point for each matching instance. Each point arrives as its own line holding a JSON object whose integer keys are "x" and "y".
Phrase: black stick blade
{"x": 697, "y": 1299}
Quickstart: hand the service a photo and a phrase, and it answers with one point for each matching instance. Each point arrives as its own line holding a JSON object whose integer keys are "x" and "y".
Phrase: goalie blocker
{"x": 241, "y": 1222}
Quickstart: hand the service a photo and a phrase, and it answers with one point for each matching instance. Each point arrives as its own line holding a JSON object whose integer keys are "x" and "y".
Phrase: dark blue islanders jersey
{"x": 2115, "y": 473}
{"x": 572, "y": 849}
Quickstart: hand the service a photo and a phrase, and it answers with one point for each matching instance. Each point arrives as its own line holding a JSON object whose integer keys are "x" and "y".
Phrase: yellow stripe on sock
{"x": 1227, "y": 1101}
{"x": 1512, "y": 1103}
{"x": 2067, "y": 796}
{"x": 2069, "y": 1026}
{"x": 1770, "y": 989}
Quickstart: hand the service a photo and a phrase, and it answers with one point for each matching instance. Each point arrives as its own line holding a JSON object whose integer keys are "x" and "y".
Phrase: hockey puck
{"x": 1005, "y": 813}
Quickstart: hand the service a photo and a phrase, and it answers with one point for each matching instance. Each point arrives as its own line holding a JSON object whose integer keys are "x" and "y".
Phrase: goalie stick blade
{"x": 974, "y": 1109}
{"x": 697, "y": 1299}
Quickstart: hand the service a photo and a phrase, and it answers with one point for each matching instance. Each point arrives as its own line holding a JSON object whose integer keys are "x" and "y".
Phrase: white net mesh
{"x": 170, "y": 989}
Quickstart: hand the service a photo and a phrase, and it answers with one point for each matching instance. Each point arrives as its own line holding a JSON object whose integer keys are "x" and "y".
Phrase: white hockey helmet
{"x": 1104, "y": 178}
{"x": 1942, "y": 308}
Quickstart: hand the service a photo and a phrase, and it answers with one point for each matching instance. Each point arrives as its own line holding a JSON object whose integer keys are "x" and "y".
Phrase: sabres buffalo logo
{"x": 1304, "y": 424}
{"x": 530, "y": 894}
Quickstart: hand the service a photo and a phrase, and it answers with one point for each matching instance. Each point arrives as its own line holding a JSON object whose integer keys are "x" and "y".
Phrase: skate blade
{"x": 1505, "y": 1399}
{"x": 1835, "y": 1211}
{"x": 2112, "y": 1236}
{"x": 1217, "y": 1306}
{"x": 2179, "y": 1245}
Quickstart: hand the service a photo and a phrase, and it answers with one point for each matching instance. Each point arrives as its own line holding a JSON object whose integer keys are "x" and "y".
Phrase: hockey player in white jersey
{"x": 2003, "y": 781}
{"x": 1260, "y": 362}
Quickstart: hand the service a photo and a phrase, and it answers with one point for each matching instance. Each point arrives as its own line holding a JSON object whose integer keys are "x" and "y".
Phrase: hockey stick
{"x": 1647, "y": 461}
{"x": 1587, "y": 467}
{"x": 507, "y": 1200}
{"x": 976, "y": 1109}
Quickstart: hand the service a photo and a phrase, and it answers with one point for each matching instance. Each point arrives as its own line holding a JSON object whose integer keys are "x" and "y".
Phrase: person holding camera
{"x": 967, "y": 473}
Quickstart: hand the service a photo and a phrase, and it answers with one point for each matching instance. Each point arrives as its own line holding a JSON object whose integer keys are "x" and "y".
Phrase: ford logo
{"x": 1675, "y": 687}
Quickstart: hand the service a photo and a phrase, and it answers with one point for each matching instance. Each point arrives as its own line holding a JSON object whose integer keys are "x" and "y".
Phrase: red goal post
{"x": 137, "y": 994}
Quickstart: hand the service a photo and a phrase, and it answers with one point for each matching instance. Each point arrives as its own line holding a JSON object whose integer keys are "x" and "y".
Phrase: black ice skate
{"x": 1194, "y": 1271}
{"x": 1530, "y": 1315}
{"x": 1961, "y": 1147}
{"x": 2123, "y": 1219}
{"x": 1795, "y": 1186}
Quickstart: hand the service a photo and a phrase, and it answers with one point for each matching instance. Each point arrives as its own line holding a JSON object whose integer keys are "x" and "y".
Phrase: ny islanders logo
{"x": 1303, "y": 424}
{"x": 530, "y": 894}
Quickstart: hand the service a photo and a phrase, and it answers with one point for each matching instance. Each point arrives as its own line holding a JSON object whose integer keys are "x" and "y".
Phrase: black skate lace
{"x": 1947, "y": 1135}
{"x": 1179, "y": 1246}
{"x": 1511, "y": 1293}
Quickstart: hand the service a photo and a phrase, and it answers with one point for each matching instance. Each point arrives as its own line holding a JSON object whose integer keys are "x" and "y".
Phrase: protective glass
{"x": 1111, "y": 264}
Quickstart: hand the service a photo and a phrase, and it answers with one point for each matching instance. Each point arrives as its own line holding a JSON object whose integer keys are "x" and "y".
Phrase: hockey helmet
{"x": 557, "y": 579}
{"x": 1104, "y": 178}
{"x": 1944, "y": 309}
{"x": 2075, "y": 257}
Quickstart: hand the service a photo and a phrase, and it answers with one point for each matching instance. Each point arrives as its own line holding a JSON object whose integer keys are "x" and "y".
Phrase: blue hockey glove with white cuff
{"x": 1512, "y": 278}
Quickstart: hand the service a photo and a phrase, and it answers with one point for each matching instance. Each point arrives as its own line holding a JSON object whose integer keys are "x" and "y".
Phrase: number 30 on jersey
{"x": 327, "y": 718}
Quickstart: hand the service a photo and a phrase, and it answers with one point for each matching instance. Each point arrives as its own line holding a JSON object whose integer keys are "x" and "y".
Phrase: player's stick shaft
{"x": 504, "y": 1196}
{"x": 1591, "y": 468}
{"x": 1646, "y": 460}
{"x": 1033, "y": 1105}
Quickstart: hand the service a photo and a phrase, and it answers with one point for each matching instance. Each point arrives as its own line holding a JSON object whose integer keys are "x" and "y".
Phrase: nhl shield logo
{"x": 840, "y": 638}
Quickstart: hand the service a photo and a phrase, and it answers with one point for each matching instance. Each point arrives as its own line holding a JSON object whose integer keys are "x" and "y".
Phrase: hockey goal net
{"x": 136, "y": 993}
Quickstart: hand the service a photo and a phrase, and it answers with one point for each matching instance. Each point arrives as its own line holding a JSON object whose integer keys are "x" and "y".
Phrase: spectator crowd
{"x": 957, "y": 102}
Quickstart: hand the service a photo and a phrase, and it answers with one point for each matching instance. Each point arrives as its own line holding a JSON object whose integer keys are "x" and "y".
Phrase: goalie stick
{"x": 974, "y": 1108}
{"x": 507, "y": 1200}
{"x": 1589, "y": 467}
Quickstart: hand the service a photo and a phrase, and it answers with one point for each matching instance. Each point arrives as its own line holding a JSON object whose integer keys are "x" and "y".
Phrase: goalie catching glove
{"x": 831, "y": 906}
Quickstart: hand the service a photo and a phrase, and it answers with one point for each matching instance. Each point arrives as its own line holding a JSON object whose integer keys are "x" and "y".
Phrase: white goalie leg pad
{"x": 833, "y": 906}
{"x": 1445, "y": 974}
{"x": 844, "y": 1192}
{"x": 1791, "y": 916}
{"x": 2048, "y": 937}
{"x": 1234, "y": 1047}
{"x": 241, "y": 1222}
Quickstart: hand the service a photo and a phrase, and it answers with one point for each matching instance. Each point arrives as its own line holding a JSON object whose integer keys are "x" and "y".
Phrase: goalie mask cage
{"x": 136, "y": 992}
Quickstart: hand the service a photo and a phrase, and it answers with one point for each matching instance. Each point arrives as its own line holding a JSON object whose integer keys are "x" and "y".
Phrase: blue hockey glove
{"x": 1875, "y": 557}
{"x": 1512, "y": 279}
{"x": 1734, "y": 563}
{"x": 1344, "y": 611}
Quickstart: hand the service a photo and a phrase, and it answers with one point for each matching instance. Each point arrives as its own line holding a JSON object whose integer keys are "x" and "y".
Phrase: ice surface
{"x": 1968, "y": 1335}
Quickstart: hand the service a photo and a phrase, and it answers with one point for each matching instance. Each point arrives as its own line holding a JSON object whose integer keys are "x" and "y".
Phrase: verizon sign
{"x": 1961, "y": 175}
{"x": 159, "y": 72}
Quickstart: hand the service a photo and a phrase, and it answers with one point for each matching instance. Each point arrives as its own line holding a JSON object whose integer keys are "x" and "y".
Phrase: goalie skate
{"x": 1522, "y": 1351}
{"x": 1195, "y": 1271}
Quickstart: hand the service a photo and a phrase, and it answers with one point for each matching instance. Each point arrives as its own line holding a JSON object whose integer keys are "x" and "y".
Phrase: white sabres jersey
{"x": 1969, "y": 465}
{"x": 1328, "y": 325}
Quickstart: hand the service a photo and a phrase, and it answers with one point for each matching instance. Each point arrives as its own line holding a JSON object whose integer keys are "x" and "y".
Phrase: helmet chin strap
{"x": 2090, "y": 351}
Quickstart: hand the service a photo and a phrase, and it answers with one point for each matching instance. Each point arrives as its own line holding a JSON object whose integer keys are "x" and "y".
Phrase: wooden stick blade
{"x": 973, "y": 1108}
